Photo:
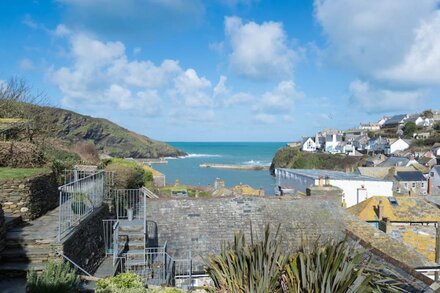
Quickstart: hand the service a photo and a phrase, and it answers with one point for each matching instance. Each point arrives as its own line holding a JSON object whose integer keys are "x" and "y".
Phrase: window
{"x": 413, "y": 184}
{"x": 423, "y": 184}
{"x": 431, "y": 174}
{"x": 406, "y": 185}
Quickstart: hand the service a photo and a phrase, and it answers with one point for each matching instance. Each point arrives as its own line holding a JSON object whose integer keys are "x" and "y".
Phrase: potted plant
{"x": 79, "y": 202}
{"x": 130, "y": 214}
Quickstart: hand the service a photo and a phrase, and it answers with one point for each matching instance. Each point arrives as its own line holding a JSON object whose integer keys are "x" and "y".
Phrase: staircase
{"x": 132, "y": 238}
{"x": 28, "y": 245}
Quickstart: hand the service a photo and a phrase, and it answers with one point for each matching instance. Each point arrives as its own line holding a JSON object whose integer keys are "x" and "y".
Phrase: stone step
{"x": 19, "y": 268}
{"x": 25, "y": 254}
{"x": 12, "y": 221}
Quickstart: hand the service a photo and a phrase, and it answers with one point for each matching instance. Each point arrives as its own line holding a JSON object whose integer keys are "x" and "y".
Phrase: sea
{"x": 187, "y": 171}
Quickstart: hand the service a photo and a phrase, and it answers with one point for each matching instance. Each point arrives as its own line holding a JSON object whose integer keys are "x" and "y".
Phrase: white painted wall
{"x": 373, "y": 188}
{"x": 350, "y": 187}
{"x": 398, "y": 145}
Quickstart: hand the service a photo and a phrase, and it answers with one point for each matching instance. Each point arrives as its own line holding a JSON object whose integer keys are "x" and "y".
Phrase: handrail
{"x": 87, "y": 177}
{"x": 74, "y": 264}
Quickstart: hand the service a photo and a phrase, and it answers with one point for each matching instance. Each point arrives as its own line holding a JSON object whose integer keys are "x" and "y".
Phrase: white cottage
{"x": 355, "y": 187}
{"x": 398, "y": 145}
{"x": 308, "y": 145}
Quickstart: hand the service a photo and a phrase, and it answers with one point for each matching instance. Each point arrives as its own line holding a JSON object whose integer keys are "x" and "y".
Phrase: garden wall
{"x": 30, "y": 197}
{"x": 85, "y": 246}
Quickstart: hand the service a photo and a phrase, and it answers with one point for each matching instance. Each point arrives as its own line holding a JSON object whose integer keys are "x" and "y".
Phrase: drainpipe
{"x": 437, "y": 249}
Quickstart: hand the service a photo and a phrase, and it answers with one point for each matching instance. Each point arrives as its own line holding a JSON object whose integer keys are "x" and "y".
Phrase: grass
{"x": 18, "y": 173}
{"x": 166, "y": 191}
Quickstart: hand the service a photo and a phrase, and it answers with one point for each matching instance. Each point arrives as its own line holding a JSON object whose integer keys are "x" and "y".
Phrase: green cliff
{"x": 69, "y": 128}
{"x": 289, "y": 157}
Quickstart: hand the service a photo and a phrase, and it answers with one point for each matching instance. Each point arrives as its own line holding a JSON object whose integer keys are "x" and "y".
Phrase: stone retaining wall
{"x": 31, "y": 197}
{"x": 85, "y": 246}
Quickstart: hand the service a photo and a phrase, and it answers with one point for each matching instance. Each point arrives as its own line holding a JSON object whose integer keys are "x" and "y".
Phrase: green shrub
{"x": 127, "y": 175}
{"x": 126, "y": 282}
{"x": 57, "y": 276}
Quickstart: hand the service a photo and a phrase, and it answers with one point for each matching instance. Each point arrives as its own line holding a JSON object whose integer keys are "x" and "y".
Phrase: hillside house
{"x": 369, "y": 126}
{"x": 395, "y": 162}
{"x": 360, "y": 143}
{"x": 395, "y": 121}
{"x": 406, "y": 218}
{"x": 308, "y": 145}
{"x": 382, "y": 120}
{"x": 428, "y": 162}
{"x": 331, "y": 142}
{"x": 375, "y": 160}
{"x": 420, "y": 120}
{"x": 377, "y": 144}
{"x": 397, "y": 145}
{"x": 355, "y": 187}
{"x": 436, "y": 149}
{"x": 434, "y": 180}
{"x": 410, "y": 183}
{"x": 382, "y": 172}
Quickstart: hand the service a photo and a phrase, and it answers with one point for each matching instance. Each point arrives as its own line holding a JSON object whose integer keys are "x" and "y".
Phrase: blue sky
{"x": 227, "y": 70}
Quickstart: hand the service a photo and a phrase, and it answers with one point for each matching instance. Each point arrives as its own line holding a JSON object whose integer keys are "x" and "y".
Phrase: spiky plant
{"x": 253, "y": 268}
{"x": 57, "y": 276}
{"x": 336, "y": 267}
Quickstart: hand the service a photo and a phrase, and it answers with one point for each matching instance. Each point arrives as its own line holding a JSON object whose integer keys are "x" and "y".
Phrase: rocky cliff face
{"x": 109, "y": 138}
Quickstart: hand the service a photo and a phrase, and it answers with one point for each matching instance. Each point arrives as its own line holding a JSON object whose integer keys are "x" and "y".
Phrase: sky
{"x": 227, "y": 70}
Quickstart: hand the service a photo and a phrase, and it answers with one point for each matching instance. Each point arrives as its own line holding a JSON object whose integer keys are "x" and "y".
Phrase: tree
{"x": 428, "y": 114}
{"x": 409, "y": 129}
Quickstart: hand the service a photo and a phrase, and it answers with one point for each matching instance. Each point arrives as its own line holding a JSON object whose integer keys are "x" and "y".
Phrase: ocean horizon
{"x": 187, "y": 169}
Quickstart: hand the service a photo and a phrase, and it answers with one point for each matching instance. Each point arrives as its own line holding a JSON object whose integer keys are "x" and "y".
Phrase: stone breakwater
{"x": 29, "y": 197}
{"x": 235, "y": 167}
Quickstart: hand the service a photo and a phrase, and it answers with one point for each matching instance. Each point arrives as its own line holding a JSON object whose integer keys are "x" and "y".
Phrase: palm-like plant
{"x": 334, "y": 267}
{"x": 251, "y": 268}
{"x": 337, "y": 268}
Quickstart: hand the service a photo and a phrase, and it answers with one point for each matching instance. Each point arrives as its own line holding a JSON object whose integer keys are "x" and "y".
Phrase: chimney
{"x": 321, "y": 181}
{"x": 380, "y": 210}
{"x": 429, "y": 185}
{"x": 327, "y": 181}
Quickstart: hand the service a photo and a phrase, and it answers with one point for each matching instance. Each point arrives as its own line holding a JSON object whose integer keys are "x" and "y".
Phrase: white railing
{"x": 115, "y": 242}
{"x": 130, "y": 200}
{"x": 107, "y": 226}
{"x": 149, "y": 193}
{"x": 78, "y": 199}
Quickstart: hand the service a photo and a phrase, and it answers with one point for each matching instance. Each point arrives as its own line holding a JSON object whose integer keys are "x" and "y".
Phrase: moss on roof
{"x": 244, "y": 189}
{"x": 408, "y": 209}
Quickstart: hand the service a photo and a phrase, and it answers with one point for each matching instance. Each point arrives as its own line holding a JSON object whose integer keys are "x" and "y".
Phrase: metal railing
{"x": 130, "y": 200}
{"x": 149, "y": 193}
{"x": 74, "y": 264}
{"x": 107, "y": 226}
{"x": 78, "y": 199}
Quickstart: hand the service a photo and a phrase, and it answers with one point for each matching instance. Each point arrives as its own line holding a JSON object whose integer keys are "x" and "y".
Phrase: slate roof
{"x": 381, "y": 172}
{"x": 410, "y": 176}
{"x": 394, "y": 161}
{"x": 396, "y": 119}
{"x": 407, "y": 209}
{"x": 334, "y": 175}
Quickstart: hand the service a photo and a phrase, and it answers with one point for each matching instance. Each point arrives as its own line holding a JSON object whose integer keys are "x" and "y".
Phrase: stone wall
{"x": 30, "y": 197}
{"x": 85, "y": 246}
{"x": 200, "y": 225}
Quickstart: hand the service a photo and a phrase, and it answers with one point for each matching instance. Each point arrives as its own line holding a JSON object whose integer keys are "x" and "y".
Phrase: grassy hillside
{"x": 289, "y": 157}
{"x": 70, "y": 128}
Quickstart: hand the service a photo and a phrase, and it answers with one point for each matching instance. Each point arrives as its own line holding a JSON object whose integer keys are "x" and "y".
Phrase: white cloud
{"x": 62, "y": 30}
{"x": 376, "y": 100}
{"x": 102, "y": 75}
{"x": 278, "y": 103}
{"x": 26, "y": 64}
{"x": 259, "y": 51}
{"x": 220, "y": 89}
{"x": 365, "y": 37}
{"x": 238, "y": 98}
